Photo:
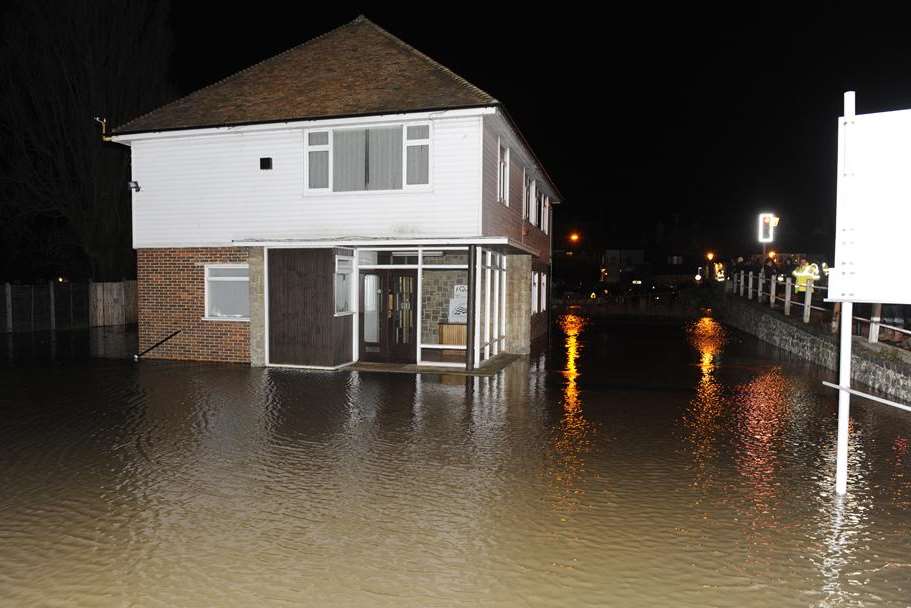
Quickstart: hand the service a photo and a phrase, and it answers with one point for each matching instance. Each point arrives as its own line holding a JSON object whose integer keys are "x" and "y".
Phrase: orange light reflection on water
{"x": 702, "y": 419}
{"x": 572, "y": 440}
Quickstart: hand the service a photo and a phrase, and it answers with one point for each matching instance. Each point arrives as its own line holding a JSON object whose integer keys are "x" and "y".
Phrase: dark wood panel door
{"x": 388, "y": 315}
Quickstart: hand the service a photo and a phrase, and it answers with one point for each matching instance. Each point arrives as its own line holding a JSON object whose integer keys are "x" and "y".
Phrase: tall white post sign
{"x": 873, "y": 215}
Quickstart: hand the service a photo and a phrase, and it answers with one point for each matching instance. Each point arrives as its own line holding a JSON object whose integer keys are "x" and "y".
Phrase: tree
{"x": 62, "y": 64}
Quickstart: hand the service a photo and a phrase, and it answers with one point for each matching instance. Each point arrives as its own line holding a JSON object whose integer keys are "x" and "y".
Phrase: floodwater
{"x": 634, "y": 464}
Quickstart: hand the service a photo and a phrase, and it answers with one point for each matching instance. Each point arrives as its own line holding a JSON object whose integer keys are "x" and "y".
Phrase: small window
{"x": 503, "y": 175}
{"x": 227, "y": 294}
{"x": 545, "y": 215}
{"x": 526, "y": 193}
{"x": 318, "y": 160}
{"x": 344, "y": 285}
{"x": 533, "y": 206}
{"x": 534, "y": 292}
{"x": 265, "y": 163}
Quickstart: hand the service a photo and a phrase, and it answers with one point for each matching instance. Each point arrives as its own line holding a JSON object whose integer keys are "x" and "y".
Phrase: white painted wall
{"x": 208, "y": 190}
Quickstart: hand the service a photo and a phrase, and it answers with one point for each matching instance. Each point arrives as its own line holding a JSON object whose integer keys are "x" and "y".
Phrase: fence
{"x": 767, "y": 289}
{"x": 53, "y": 305}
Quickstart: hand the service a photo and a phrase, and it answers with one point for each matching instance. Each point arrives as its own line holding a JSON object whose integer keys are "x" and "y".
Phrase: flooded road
{"x": 634, "y": 464}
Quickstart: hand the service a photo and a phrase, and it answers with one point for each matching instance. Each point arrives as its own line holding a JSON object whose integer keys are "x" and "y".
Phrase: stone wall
{"x": 436, "y": 291}
{"x": 881, "y": 367}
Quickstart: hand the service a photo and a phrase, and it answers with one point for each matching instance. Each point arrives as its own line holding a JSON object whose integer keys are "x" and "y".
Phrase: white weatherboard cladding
{"x": 873, "y": 209}
{"x": 209, "y": 191}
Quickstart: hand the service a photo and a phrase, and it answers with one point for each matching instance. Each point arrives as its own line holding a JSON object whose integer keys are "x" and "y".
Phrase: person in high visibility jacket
{"x": 805, "y": 273}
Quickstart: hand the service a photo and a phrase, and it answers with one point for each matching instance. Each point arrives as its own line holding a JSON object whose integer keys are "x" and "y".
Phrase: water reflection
{"x": 573, "y": 439}
{"x": 703, "y": 417}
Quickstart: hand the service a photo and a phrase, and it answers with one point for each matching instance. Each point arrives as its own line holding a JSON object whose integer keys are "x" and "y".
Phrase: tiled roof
{"x": 356, "y": 69}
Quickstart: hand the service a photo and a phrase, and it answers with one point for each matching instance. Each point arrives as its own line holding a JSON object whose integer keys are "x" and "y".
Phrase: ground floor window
{"x": 227, "y": 293}
{"x": 344, "y": 285}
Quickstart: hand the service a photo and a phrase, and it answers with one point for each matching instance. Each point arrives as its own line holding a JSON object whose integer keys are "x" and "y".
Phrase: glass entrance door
{"x": 388, "y": 328}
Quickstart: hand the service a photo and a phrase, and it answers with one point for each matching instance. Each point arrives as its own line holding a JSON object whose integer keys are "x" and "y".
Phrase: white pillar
{"x": 741, "y": 283}
{"x": 808, "y": 302}
{"x": 844, "y": 399}
{"x": 787, "y": 297}
{"x": 750, "y": 286}
{"x": 761, "y": 281}
{"x": 772, "y": 282}
{"x": 875, "y": 319}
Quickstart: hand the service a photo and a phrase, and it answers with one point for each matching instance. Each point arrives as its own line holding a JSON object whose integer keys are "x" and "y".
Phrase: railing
{"x": 767, "y": 289}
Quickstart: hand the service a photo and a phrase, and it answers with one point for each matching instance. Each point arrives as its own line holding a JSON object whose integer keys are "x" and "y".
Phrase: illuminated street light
{"x": 767, "y": 224}
{"x": 574, "y": 237}
{"x": 710, "y": 256}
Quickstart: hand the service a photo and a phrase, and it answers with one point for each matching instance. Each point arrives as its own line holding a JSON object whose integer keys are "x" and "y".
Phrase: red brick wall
{"x": 171, "y": 296}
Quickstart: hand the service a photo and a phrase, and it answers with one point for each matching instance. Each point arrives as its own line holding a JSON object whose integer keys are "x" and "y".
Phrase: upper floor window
{"x": 417, "y": 152}
{"x": 533, "y": 206}
{"x": 503, "y": 175}
{"x": 373, "y": 158}
{"x": 526, "y": 194}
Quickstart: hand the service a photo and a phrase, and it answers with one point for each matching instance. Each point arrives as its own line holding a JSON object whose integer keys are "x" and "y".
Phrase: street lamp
{"x": 767, "y": 224}
{"x": 574, "y": 237}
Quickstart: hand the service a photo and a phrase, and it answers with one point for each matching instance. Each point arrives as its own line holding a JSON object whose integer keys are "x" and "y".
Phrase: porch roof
{"x": 502, "y": 243}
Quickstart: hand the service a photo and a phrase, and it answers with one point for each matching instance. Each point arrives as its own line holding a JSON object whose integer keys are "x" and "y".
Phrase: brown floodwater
{"x": 633, "y": 464}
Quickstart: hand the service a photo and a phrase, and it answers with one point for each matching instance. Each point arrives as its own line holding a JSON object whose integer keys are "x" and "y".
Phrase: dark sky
{"x": 713, "y": 114}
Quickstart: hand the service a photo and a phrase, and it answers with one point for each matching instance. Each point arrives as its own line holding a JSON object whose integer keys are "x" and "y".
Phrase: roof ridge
{"x": 358, "y": 19}
{"x": 434, "y": 63}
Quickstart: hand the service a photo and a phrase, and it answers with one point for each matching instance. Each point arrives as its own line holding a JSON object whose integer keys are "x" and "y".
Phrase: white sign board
{"x": 458, "y": 304}
{"x": 873, "y": 217}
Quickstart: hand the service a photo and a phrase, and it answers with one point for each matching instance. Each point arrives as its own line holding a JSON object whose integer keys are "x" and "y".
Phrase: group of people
{"x": 799, "y": 267}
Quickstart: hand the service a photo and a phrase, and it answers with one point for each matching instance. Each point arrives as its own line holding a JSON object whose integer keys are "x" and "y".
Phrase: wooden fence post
{"x": 787, "y": 297}
{"x": 9, "y": 307}
{"x": 761, "y": 281}
{"x": 50, "y": 289}
{"x": 741, "y": 283}
{"x": 750, "y": 286}
{"x": 772, "y": 282}
{"x": 808, "y": 301}
{"x": 875, "y": 320}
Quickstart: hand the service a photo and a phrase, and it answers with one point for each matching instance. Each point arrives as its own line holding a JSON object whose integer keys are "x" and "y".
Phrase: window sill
{"x": 344, "y": 314}
{"x": 408, "y": 190}
{"x": 228, "y": 319}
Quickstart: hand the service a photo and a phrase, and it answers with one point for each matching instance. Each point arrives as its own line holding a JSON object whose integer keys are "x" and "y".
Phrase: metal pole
{"x": 807, "y": 301}
{"x": 787, "y": 297}
{"x": 875, "y": 319}
{"x": 772, "y": 292}
{"x": 750, "y": 286}
{"x": 844, "y": 399}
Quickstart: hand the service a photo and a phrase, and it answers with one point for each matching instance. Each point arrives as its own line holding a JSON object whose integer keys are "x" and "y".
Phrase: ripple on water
{"x": 633, "y": 464}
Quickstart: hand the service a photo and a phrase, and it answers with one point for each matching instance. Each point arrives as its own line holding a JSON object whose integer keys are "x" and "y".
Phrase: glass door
{"x": 388, "y": 327}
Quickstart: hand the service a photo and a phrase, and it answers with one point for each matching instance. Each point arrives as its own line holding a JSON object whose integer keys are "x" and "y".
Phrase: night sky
{"x": 638, "y": 116}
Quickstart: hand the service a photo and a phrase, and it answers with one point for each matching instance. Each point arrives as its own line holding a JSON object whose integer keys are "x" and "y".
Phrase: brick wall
{"x": 171, "y": 296}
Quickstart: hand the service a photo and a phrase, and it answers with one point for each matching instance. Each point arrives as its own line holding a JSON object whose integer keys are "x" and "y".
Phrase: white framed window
{"x": 227, "y": 292}
{"x": 360, "y": 159}
{"x": 417, "y": 155}
{"x": 543, "y": 291}
{"x": 526, "y": 193}
{"x": 344, "y": 285}
{"x": 535, "y": 278}
{"x": 503, "y": 174}
{"x": 319, "y": 160}
{"x": 533, "y": 206}
{"x": 545, "y": 215}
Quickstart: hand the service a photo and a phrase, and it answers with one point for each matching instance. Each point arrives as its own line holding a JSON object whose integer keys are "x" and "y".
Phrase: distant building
{"x": 615, "y": 262}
